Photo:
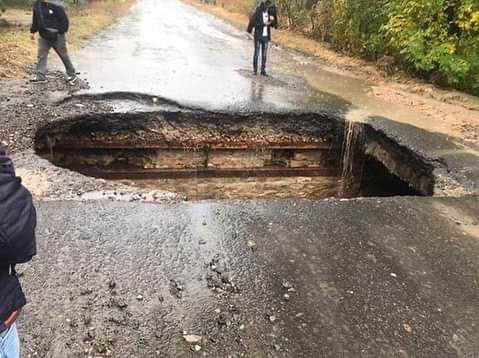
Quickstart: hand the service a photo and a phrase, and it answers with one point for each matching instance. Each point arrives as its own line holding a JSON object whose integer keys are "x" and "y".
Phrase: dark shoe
{"x": 255, "y": 72}
{"x": 263, "y": 73}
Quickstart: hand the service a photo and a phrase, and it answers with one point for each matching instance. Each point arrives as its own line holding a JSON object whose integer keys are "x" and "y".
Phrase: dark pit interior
{"x": 206, "y": 155}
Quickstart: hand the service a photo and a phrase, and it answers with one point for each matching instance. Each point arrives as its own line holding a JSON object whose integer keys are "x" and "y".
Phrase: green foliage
{"x": 357, "y": 26}
{"x": 437, "y": 39}
{"x": 16, "y": 3}
{"x": 323, "y": 20}
{"x": 296, "y": 12}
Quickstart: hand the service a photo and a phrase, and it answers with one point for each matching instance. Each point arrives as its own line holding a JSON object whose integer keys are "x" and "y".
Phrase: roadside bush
{"x": 358, "y": 25}
{"x": 437, "y": 38}
{"x": 16, "y": 3}
{"x": 2, "y": 8}
{"x": 323, "y": 16}
{"x": 296, "y": 14}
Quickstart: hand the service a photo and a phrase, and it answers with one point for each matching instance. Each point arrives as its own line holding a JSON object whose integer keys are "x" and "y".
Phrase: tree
{"x": 438, "y": 38}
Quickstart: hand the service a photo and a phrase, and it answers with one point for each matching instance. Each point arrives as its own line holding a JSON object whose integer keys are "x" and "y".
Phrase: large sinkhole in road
{"x": 204, "y": 155}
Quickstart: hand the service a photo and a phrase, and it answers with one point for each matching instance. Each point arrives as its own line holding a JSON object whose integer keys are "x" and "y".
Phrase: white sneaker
{"x": 38, "y": 80}
{"x": 72, "y": 79}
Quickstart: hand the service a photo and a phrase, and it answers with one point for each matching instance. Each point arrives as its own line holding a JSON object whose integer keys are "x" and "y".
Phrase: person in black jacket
{"x": 17, "y": 245}
{"x": 263, "y": 18}
{"x": 51, "y": 22}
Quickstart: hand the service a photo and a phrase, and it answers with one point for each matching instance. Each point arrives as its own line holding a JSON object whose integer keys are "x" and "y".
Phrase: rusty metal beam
{"x": 108, "y": 146}
{"x": 208, "y": 172}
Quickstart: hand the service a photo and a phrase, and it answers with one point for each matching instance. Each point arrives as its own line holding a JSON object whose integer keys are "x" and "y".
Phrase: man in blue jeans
{"x": 263, "y": 18}
{"x": 17, "y": 245}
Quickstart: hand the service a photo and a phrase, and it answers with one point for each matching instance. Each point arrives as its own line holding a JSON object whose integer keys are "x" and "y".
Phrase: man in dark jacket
{"x": 17, "y": 245}
{"x": 51, "y": 22}
{"x": 263, "y": 18}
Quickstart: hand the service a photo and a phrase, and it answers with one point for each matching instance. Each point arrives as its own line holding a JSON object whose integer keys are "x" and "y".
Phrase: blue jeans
{"x": 9, "y": 343}
{"x": 261, "y": 43}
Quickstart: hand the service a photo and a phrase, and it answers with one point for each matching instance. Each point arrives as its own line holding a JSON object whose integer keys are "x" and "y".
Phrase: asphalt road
{"x": 393, "y": 277}
{"x": 365, "y": 278}
{"x": 173, "y": 50}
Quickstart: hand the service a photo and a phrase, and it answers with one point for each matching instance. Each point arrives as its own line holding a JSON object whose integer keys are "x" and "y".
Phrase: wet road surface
{"x": 282, "y": 278}
{"x": 173, "y": 50}
{"x": 287, "y": 278}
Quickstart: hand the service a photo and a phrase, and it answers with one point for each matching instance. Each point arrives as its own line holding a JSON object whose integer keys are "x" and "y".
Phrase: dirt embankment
{"x": 17, "y": 50}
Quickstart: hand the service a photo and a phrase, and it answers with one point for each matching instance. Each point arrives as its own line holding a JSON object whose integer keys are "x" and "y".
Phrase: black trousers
{"x": 260, "y": 44}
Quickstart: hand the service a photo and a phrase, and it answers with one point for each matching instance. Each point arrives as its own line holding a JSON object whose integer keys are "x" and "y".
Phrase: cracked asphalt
{"x": 372, "y": 277}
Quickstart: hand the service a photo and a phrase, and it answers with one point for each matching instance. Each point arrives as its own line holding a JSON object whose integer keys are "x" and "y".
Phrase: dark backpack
{"x": 17, "y": 217}
{"x": 17, "y": 236}
{"x": 48, "y": 33}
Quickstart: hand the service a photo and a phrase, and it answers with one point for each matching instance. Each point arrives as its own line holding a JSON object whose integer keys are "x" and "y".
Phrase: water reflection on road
{"x": 170, "y": 49}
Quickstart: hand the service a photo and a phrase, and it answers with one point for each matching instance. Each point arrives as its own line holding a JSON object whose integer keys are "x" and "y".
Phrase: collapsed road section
{"x": 222, "y": 155}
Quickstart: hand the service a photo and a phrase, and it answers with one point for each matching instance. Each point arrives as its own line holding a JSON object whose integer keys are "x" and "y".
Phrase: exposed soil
{"x": 193, "y": 130}
{"x": 26, "y": 107}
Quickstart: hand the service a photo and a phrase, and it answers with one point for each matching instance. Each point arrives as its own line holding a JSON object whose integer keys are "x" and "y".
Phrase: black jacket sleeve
{"x": 274, "y": 12}
{"x": 64, "y": 23}
{"x": 17, "y": 217}
{"x": 252, "y": 21}
{"x": 35, "y": 20}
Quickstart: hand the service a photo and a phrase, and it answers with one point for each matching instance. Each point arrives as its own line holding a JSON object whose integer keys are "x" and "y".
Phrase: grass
{"x": 243, "y": 7}
{"x": 17, "y": 50}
